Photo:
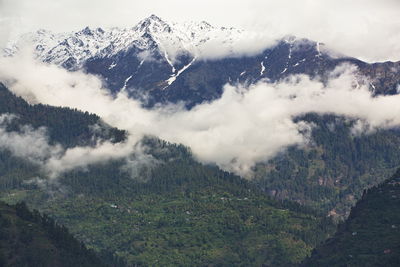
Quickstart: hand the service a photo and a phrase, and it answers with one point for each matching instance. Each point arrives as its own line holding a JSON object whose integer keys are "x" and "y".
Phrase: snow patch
{"x": 174, "y": 76}
{"x": 298, "y": 63}
{"x": 262, "y": 68}
{"x": 126, "y": 82}
{"x": 112, "y": 66}
{"x": 169, "y": 62}
{"x": 373, "y": 86}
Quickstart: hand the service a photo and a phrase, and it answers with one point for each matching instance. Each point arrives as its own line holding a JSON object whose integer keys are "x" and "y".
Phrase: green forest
{"x": 185, "y": 214}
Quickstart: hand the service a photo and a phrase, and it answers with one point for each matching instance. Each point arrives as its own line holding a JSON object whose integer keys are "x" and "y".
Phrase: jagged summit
{"x": 152, "y": 23}
{"x": 88, "y": 31}
{"x": 152, "y": 19}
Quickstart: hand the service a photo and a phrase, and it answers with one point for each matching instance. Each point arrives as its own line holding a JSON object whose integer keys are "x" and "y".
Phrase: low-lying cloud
{"x": 245, "y": 126}
{"x": 235, "y": 43}
{"x": 31, "y": 144}
{"x": 34, "y": 146}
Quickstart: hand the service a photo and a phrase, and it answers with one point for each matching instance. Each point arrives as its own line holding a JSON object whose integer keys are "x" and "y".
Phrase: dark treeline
{"x": 28, "y": 238}
{"x": 371, "y": 234}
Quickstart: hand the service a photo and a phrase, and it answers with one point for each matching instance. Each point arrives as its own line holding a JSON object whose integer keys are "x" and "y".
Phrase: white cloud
{"x": 140, "y": 163}
{"x": 244, "y": 43}
{"x": 28, "y": 143}
{"x": 81, "y": 157}
{"x": 146, "y": 56}
{"x": 246, "y": 125}
{"x": 33, "y": 145}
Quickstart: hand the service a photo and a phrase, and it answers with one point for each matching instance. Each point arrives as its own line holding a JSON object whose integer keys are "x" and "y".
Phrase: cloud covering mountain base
{"x": 248, "y": 124}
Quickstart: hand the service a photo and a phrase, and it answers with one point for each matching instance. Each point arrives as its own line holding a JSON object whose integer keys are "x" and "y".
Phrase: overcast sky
{"x": 368, "y": 29}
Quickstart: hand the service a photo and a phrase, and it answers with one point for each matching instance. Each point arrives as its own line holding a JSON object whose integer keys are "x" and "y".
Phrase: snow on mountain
{"x": 155, "y": 55}
{"x": 171, "y": 39}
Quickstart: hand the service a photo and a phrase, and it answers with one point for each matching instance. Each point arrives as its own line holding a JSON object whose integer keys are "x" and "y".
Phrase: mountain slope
{"x": 371, "y": 234}
{"x": 178, "y": 213}
{"x": 331, "y": 173}
{"x": 31, "y": 239}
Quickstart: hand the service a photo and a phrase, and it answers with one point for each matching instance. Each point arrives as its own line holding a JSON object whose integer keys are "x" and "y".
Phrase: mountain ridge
{"x": 160, "y": 62}
{"x": 99, "y": 42}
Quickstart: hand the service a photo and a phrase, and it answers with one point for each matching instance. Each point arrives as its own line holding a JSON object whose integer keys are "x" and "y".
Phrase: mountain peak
{"x": 87, "y": 31}
{"x": 155, "y": 18}
{"x": 153, "y": 23}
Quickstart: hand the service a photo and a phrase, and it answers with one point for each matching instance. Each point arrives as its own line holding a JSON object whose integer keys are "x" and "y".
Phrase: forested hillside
{"x": 371, "y": 234}
{"x": 331, "y": 173}
{"x": 183, "y": 213}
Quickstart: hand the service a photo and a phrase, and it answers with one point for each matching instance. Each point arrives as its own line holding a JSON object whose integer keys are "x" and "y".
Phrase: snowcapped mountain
{"x": 73, "y": 49}
{"x": 157, "y": 61}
